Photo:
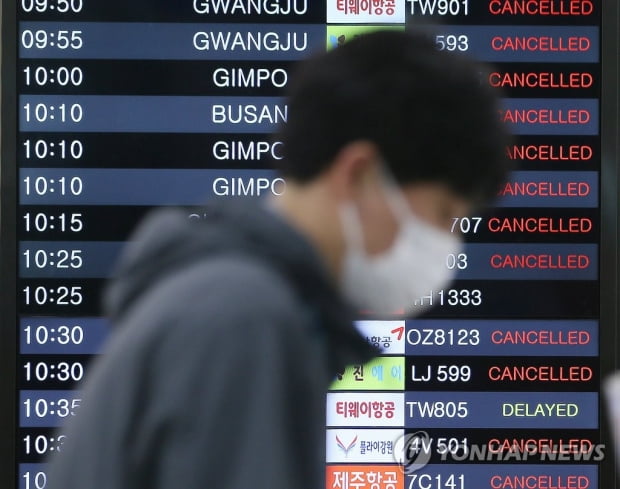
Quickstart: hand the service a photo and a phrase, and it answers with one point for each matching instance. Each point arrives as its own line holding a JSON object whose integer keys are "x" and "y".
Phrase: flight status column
{"x": 122, "y": 107}
{"x": 498, "y": 385}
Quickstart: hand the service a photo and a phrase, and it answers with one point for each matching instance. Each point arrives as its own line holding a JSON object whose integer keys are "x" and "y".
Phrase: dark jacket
{"x": 229, "y": 332}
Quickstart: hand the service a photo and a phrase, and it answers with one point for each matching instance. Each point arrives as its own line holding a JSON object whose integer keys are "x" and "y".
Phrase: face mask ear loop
{"x": 394, "y": 196}
{"x": 351, "y": 227}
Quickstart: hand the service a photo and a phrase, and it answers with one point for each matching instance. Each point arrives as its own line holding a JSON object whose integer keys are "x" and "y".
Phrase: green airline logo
{"x": 337, "y": 35}
{"x": 382, "y": 373}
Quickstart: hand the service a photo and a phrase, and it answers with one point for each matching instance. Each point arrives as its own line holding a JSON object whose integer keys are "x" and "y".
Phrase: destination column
{"x": 124, "y": 107}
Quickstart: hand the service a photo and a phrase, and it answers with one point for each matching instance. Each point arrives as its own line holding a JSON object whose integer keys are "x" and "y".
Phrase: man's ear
{"x": 355, "y": 165}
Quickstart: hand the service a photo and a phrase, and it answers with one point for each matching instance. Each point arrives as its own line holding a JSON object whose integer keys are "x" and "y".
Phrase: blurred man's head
{"x": 384, "y": 117}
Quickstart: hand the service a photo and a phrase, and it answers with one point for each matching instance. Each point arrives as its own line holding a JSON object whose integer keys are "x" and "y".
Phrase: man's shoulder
{"x": 234, "y": 276}
{"x": 227, "y": 291}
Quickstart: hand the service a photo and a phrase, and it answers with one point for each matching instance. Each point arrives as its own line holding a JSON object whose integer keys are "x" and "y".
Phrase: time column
{"x": 55, "y": 343}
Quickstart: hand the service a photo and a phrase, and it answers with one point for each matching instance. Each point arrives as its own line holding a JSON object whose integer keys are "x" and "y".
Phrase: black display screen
{"x": 112, "y": 108}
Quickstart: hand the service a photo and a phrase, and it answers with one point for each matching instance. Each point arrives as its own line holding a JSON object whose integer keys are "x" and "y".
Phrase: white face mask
{"x": 414, "y": 265}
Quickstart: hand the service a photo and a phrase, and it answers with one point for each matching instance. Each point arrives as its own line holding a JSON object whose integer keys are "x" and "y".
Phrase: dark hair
{"x": 429, "y": 112}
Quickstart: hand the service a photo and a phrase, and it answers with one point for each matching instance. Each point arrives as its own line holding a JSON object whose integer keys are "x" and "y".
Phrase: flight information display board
{"x": 122, "y": 106}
